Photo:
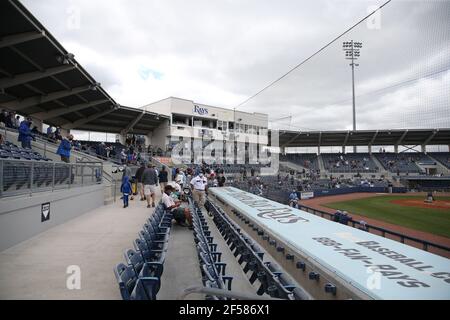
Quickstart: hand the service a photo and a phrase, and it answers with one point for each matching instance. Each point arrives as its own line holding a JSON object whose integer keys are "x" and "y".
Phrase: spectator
{"x": 363, "y": 225}
{"x": 199, "y": 186}
{"x": 17, "y": 122}
{"x": 25, "y": 134}
{"x": 140, "y": 186}
{"x": 126, "y": 190}
{"x": 174, "y": 173}
{"x": 64, "y": 148}
{"x": 344, "y": 218}
{"x": 50, "y": 132}
{"x": 150, "y": 180}
{"x": 2, "y": 140}
{"x": 3, "y": 116}
{"x": 10, "y": 121}
{"x": 221, "y": 180}
{"x": 58, "y": 135}
{"x": 181, "y": 215}
{"x": 176, "y": 194}
{"x": 293, "y": 199}
{"x": 123, "y": 156}
{"x": 163, "y": 178}
{"x": 180, "y": 177}
{"x": 337, "y": 216}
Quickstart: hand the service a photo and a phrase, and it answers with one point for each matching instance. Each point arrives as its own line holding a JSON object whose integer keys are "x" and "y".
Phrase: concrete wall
{"x": 159, "y": 135}
{"x": 20, "y": 217}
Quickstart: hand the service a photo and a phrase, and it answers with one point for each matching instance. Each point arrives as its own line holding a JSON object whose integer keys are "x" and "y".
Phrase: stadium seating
{"x": 250, "y": 256}
{"x": 134, "y": 287}
{"x": 442, "y": 157}
{"x": 9, "y": 150}
{"x": 211, "y": 267}
{"x": 403, "y": 162}
{"x": 350, "y": 162}
{"x": 307, "y": 160}
{"x": 17, "y": 172}
{"x": 95, "y": 148}
{"x": 139, "y": 278}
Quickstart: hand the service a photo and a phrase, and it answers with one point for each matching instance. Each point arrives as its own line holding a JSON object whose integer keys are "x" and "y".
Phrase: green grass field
{"x": 435, "y": 221}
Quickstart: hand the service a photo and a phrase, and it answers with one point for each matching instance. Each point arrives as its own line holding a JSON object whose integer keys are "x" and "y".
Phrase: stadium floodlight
{"x": 352, "y": 52}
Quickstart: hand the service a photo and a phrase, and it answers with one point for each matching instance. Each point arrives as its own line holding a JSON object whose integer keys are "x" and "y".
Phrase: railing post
{"x": 31, "y": 178}
{"x": 53, "y": 176}
{"x": 115, "y": 189}
{"x": 70, "y": 174}
{"x": 1, "y": 177}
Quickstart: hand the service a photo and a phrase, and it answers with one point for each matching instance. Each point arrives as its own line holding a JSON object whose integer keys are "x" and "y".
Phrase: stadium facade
{"x": 199, "y": 122}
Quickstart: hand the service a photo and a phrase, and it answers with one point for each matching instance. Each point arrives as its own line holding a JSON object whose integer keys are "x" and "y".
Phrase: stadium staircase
{"x": 293, "y": 166}
{"x": 440, "y": 167}
{"x": 381, "y": 169}
{"x": 321, "y": 165}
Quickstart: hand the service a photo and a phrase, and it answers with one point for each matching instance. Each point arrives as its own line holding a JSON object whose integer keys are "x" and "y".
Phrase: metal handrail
{"x": 222, "y": 293}
{"x": 55, "y": 176}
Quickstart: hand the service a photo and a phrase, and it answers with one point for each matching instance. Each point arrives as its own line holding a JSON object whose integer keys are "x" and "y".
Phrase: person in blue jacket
{"x": 64, "y": 148}
{"x": 293, "y": 199}
{"x": 126, "y": 190}
{"x": 25, "y": 134}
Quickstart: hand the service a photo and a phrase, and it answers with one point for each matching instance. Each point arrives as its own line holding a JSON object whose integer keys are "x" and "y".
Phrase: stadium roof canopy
{"x": 39, "y": 78}
{"x": 406, "y": 137}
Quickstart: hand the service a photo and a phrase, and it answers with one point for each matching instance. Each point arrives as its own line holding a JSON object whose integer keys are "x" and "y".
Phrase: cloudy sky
{"x": 223, "y": 51}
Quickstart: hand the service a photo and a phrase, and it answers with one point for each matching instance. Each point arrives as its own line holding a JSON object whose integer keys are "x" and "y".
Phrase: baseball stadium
{"x": 170, "y": 158}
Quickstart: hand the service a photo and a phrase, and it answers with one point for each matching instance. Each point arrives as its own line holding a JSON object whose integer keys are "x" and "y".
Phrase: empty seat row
{"x": 9, "y": 150}
{"x": 251, "y": 257}
{"x": 17, "y": 175}
{"x": 139, "y": 278}
{"x": 213, "y": 270}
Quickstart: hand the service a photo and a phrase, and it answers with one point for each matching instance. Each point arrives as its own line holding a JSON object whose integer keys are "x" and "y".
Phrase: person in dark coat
{"x": 163, "y": 178}
{"x": 25, "y": 134}
{"x": 64, "y": 148}
{"x": 126, "y": 190}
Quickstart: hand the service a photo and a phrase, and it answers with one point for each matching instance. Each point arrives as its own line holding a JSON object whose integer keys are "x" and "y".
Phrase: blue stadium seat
{"x": 142, "y": 267}
{"x": 133, "y": 287}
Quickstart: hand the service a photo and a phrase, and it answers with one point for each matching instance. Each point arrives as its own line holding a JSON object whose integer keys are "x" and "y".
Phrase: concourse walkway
{"x": 95, "y": 242}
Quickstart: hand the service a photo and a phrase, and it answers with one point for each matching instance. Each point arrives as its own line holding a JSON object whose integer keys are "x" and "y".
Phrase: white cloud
{"x": 221, "y": 52}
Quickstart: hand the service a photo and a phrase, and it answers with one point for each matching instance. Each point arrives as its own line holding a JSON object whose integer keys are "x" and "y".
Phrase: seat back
{"x": 126, "y": 278}
{"x": 134, "y": 259}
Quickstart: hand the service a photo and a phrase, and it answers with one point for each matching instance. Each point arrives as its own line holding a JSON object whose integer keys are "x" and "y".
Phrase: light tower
{"x": 352, "y": 53}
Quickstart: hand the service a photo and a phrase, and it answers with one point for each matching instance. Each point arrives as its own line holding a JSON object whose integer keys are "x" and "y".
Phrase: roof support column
{"x": 320, "y": 142}
{"x": 424, "y": 144}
